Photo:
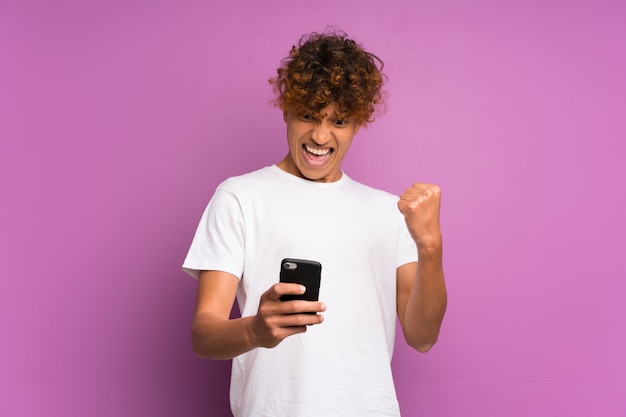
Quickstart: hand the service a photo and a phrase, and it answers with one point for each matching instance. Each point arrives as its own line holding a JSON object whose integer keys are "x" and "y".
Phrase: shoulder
{"x": 247, "y": 181}
{"x": 370, "y": 193}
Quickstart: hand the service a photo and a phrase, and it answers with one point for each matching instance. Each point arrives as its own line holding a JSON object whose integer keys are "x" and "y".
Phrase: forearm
{"x": 427, "y": 301}
{"x": 217, "y": 338}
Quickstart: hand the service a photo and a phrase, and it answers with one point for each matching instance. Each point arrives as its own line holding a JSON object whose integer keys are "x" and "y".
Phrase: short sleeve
{"x": 218, "y": 243}
{"x": 407, "y": 250}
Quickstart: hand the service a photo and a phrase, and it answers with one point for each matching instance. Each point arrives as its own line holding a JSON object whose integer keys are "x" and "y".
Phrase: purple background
{"x": 118, "y": 119}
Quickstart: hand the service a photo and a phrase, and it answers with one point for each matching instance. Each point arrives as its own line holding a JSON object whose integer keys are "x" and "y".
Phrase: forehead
{"x": 330, "y": 111}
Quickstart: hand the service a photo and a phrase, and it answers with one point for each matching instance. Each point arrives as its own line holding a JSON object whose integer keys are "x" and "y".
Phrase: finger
{"x": 302, "y": 319}
{"x": 295, "y": 307}
{"x": 303, "y": 306}
{"x": 282, "y": 288}
{"x": 431, "y": 192}
{"x": 290, "y": 288}
{"x": 412, "y": 191}
{"x": 270, "y": 306}
{"x": 419, "y": 187}
{"x": 407, "y": 199}
{"x": 409, "y": 202}
{"x": 287, "y": 331}
{"x": 411, "y": 195}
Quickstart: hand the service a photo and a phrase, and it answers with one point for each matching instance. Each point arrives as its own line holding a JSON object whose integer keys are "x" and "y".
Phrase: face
{"x": 317, "y": 147}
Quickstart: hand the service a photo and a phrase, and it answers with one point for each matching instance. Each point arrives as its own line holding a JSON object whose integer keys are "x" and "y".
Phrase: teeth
{"x": 315, "y": 151}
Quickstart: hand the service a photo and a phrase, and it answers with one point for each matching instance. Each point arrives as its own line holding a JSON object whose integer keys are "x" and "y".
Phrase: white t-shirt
{"x": 342, "y": 366}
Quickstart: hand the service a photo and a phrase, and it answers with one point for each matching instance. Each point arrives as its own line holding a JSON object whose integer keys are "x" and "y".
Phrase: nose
{"x": 321, "y": 133}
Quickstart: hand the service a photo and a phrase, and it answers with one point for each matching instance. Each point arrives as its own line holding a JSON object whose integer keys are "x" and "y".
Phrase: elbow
{"x": 196, "y": 345}
{"x": 205, "y": 352}
{"x": 199, "y": 352}
{"x": 425, "y": 347}
{"x": 422, "y": 335}
{"x": 422, "y": 345}
{"x": 206, "y": 348}
{"x": 199, "y": 344}
{"x": 420, "y": 339}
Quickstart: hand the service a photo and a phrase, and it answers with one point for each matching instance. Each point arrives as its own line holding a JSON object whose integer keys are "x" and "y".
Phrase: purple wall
{"x": 118, "y": 119}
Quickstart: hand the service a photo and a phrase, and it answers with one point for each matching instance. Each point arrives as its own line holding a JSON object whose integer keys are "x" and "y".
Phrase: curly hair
{"x": 329, "y": 68}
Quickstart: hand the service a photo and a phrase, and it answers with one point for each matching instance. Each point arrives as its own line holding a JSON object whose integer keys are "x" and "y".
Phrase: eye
{"x": 340, "y": 122}
{"x": 307, "y": 117}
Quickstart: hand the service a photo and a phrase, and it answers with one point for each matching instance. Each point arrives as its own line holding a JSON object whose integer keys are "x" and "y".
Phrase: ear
{"x": 285, "y": 115}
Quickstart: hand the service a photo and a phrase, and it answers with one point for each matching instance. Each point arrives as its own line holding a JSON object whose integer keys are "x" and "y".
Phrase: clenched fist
{"x": 420, "y": 206}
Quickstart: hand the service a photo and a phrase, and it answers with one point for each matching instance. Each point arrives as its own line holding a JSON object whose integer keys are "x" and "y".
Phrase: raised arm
{"x": 422, "y": 296}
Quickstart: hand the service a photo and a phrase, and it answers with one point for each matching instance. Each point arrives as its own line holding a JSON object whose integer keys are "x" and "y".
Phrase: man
{"x": 335, "y": 362}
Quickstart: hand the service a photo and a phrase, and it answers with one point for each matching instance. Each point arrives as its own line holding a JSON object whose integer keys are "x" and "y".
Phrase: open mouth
{"x": 317, "y": 152}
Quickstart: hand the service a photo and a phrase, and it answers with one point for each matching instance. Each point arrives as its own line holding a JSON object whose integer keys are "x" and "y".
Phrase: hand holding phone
{"x": 273, "y": 321}
{"x": 304, "y": 272}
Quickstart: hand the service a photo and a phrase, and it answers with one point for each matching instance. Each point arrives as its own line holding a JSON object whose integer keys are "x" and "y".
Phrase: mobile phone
{"x": 304, "y": 272}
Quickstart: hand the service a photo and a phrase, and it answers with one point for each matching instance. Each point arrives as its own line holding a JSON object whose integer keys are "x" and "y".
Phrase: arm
{"x": 214, "y": 335}
{"x": 422, "y": 297}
